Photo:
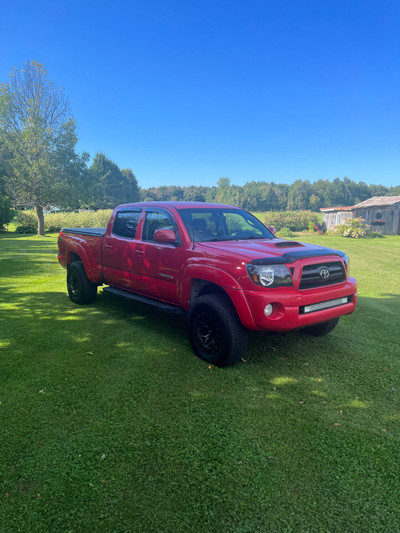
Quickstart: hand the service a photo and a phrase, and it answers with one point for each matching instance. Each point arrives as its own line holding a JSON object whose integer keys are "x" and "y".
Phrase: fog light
{"x": 268, "y": 309}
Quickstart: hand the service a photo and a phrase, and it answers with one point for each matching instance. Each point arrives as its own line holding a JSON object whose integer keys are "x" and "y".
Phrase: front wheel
{"x": 80, "y": 289}
{"x": 319, "y": 330}
{"x": 215, "y": 331}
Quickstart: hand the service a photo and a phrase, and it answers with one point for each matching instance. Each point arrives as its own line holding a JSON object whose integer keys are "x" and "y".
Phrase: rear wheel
{"x": 319, "y": 330}
{"x": 215, "y": 331}
{"x": 80, "y": 289}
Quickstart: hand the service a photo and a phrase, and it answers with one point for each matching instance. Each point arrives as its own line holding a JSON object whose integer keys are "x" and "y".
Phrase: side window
{"x": 155, "y": 221}
{"x": 125, "y": 224}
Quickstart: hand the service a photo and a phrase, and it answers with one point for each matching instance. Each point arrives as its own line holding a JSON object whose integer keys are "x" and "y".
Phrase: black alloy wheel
{"x": 74, "y": 285}
{"x": 215, "y": 331}
{"x": 80, "y": 289}
{"x": 207, "y": 332}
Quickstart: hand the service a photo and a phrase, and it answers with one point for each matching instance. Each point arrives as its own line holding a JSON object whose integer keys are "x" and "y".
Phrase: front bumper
{"x": 289, "y": 305}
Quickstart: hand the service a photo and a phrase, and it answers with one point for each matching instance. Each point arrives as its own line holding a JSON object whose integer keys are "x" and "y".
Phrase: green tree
{"x": 360, "y": 192}
{"x": 38, "y": 131}
{"x": 394, "y": 191}
{"x": 259, "y": 196}
{"x": 315, "y": 202}
{"x": 282, "y": 193}
{"x": 250, "y": 196}
{"x": 195, "y": 194}
{"x": 345, "y": 192}
{"x": 236, "y": 196}
{"x": 175, "y": 193}
{"x": 6, "y": 211}
{"x": 132, "y": 186}
{"x": 111, "y": 186}
{"x": 211, "y": 194}
{"x": 377, "y": 190}
{"x": 335, "y": 194}
{"x": 319, "y": 189}
{"x": 223, "y": 191}
{"x": 299, "y": 195}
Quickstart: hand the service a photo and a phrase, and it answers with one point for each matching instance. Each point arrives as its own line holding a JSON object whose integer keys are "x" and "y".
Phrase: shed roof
{"x": 376, "y": 201}
{"x": 334, "y": 209}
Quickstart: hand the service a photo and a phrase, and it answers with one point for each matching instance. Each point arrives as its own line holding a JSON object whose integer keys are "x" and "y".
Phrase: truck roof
{"x": 180, "y": 205}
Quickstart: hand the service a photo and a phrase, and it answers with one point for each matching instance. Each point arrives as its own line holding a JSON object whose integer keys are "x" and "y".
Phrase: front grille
{"x": 311, "y": 275}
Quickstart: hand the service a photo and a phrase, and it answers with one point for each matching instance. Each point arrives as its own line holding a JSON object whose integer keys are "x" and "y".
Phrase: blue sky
{"x": 186, "y": 92}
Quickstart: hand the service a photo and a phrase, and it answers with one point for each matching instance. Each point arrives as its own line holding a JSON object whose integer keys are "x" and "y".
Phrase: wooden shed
{"x": 382, "y": 213}
{"x": 332, "y": 216}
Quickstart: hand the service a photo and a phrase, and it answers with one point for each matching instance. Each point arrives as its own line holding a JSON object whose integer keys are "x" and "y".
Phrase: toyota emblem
{"x": 324, "y": 273}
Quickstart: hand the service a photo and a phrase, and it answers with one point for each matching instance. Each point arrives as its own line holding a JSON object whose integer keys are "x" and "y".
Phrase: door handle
{"x": 141, "y": 252}
{"x": 108, "y": 246}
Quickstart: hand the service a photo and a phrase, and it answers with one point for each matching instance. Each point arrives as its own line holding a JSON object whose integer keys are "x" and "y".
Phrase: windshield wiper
{"x": 232, "y": 238}
{"x": 251, "y": 237}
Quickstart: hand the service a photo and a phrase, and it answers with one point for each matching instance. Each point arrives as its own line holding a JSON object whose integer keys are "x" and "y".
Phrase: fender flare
{"x": 78, "y": 249}
{"x": 223, "y": 280}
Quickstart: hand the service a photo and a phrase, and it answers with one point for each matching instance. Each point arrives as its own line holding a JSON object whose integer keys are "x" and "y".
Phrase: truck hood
{"x": 271, "y": 250}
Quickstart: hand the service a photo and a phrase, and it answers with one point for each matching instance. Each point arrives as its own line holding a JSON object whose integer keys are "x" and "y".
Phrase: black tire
{"x": 215, "y": 331}
{"x": 80, "y": 289}
{"x": 319, "y": 330}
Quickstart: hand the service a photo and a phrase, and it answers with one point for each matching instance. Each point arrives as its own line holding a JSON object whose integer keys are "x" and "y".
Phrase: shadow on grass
{"x": 50, "y": 318}
{"x": 53, "y": 315}
{"x": 29, "y": 257}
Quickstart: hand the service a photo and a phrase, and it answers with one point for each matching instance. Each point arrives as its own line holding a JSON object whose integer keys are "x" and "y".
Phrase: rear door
{"x": 120, "y": 260}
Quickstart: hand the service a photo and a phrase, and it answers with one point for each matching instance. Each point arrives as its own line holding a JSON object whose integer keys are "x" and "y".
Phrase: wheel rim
{"x": 74, "y": 284}
{"x": 207, "y": 333}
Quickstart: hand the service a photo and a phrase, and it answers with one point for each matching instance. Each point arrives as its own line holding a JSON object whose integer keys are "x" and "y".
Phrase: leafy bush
{"x": 293, "y": 220}
{"x": 26, "y": 218}
{"x": 284, "y": 233}
{"x": 26, "y": 222}
{"x": 374, "y": 234}
{"x": 84, "y": 219}
{"x": 25, "y": 229}
{"x": 53, "y": 222}
{"x": 355, "y": 228}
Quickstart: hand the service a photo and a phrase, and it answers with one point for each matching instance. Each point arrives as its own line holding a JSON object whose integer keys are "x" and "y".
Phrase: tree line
{"x": 40, "y": 167}
{"x": 270, "y": 196}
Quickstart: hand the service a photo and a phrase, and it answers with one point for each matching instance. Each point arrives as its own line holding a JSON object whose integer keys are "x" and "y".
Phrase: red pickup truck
{"x": 217, "y": 263}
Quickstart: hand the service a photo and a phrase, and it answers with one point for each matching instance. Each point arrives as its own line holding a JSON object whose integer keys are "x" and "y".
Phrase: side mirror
{"x": 272, "y": 229}
{"x": 165, "y": 236}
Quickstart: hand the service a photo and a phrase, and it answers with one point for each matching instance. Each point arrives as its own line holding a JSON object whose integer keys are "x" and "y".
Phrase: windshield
{"x": 222, "y": 224}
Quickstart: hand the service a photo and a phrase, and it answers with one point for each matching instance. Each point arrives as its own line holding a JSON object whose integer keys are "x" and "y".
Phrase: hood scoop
{"x": 288, "y": 244}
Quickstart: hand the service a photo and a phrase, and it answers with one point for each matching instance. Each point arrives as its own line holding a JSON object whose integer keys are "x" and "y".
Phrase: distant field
{"x": 261, "y": 214}
{"x": 108, "y": 422}
{"x": 55, "y": 221}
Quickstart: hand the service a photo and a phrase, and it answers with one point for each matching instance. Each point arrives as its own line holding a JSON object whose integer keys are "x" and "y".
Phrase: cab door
{"x": 121, "y": 266}
{"x": 159, "y": 263}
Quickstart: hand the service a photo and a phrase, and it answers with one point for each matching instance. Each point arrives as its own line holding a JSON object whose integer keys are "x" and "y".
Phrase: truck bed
{"x": 96, "y": 232}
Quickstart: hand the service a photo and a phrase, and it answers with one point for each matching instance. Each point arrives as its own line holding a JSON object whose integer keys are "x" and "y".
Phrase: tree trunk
{"x": 40, "y": 216}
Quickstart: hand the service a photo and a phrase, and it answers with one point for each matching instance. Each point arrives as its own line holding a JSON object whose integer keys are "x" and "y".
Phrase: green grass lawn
{"x": 108, "y": 422}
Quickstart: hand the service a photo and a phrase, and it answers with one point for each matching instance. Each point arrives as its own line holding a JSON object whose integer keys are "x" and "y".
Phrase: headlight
{"x": 270, "y": 275}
